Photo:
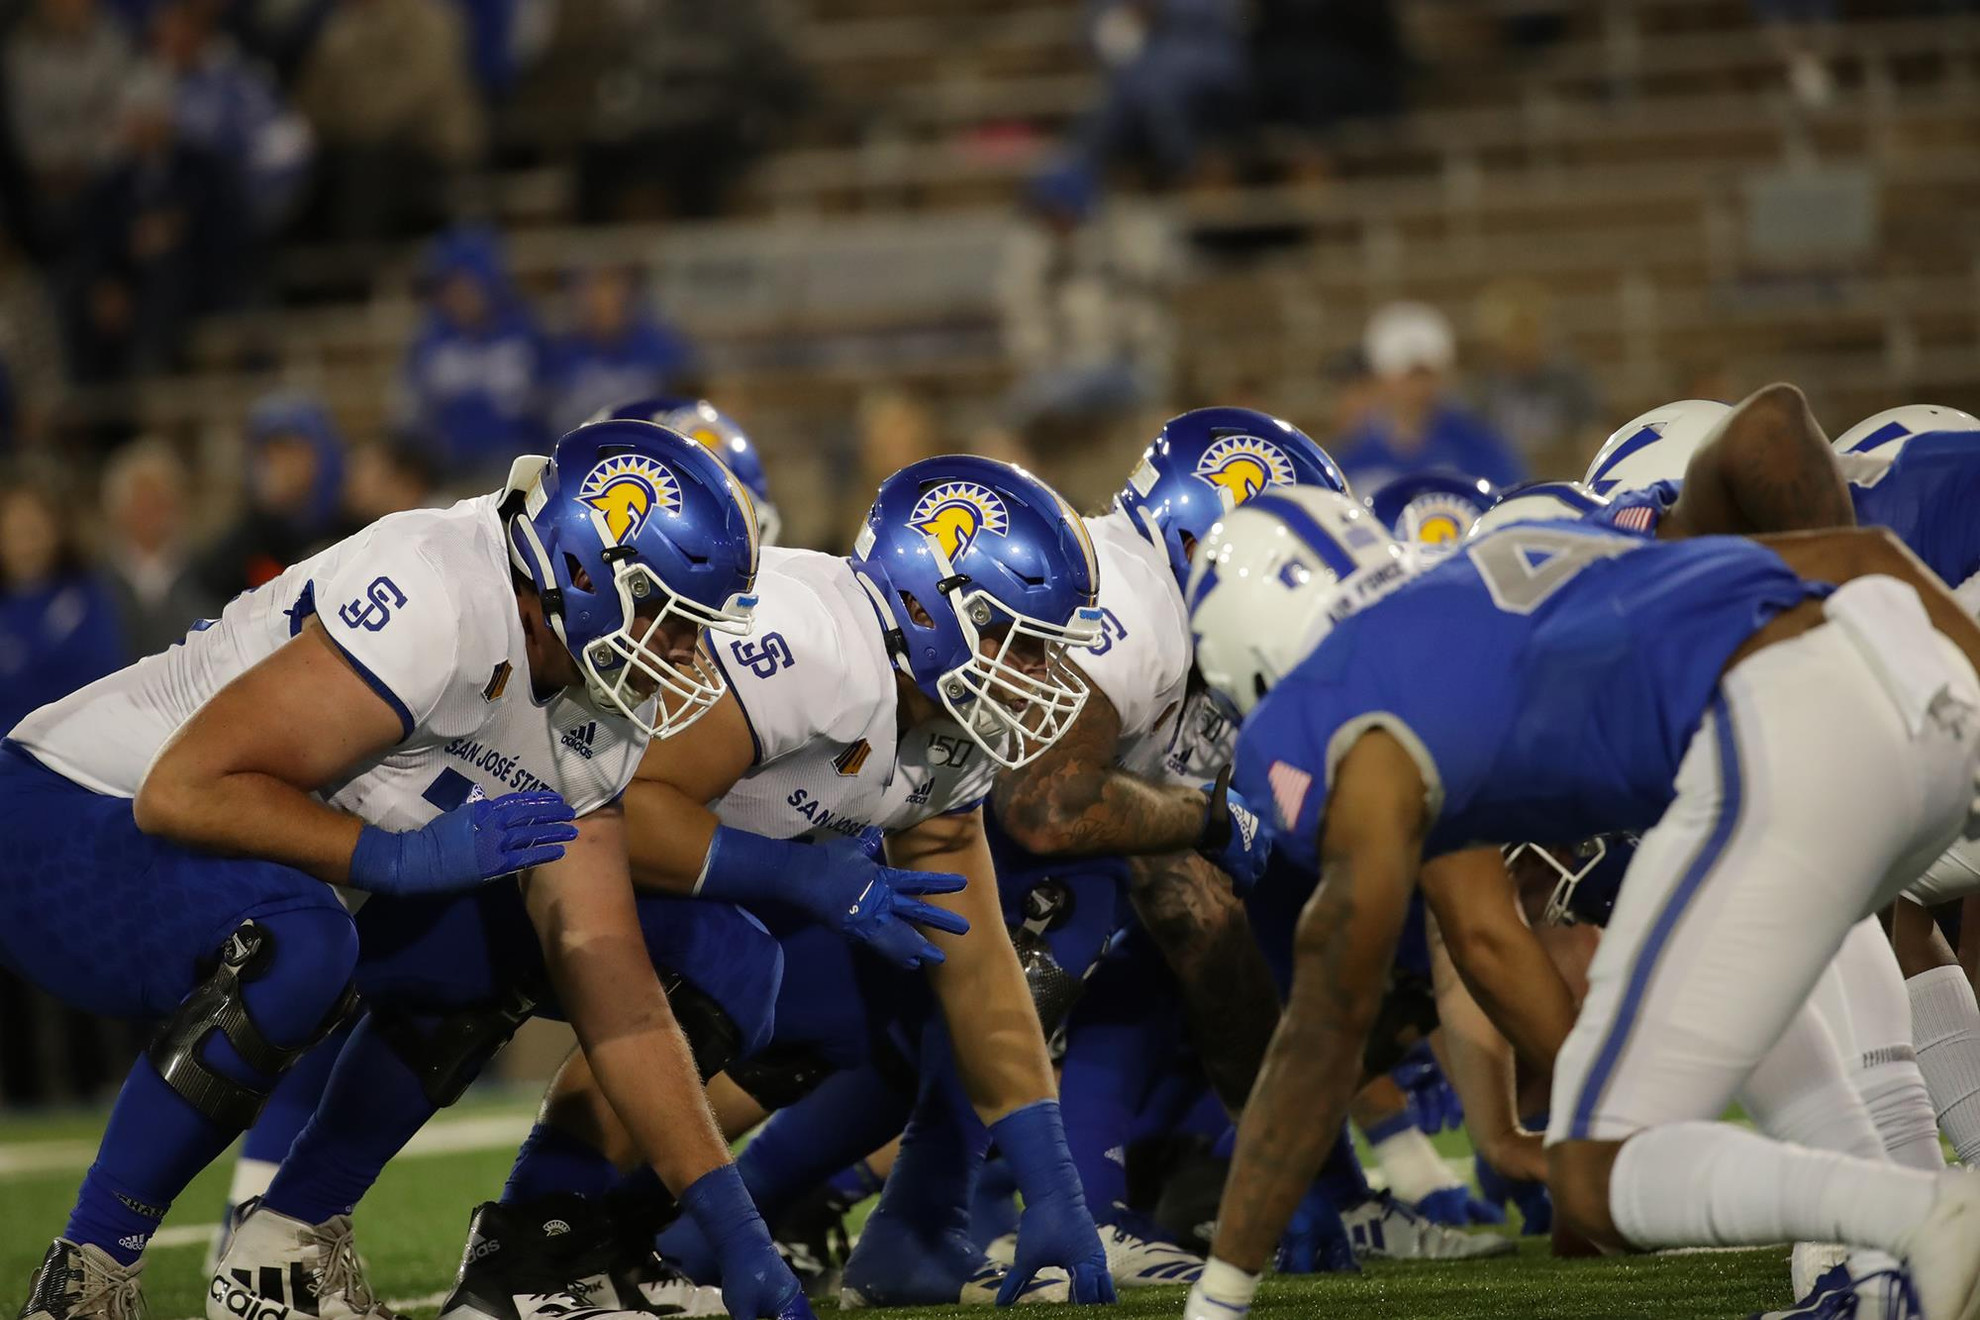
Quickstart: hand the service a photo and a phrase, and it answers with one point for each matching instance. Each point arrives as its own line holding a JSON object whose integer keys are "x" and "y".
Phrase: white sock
{"x": 1714, "y": 1185}
{"x": 1945, "y": 1021}
{"x": 251, "y": 1179}
{"x": 1412, "y": 1166}
{"x": 1902, "y": 1109}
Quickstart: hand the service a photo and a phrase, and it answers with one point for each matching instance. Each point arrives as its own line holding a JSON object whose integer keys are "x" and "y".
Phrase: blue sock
{"x": 371, "y": 1108}
{"x": 156, "y": 1141}
{"x": 292, "y": 1102}
{"x": 993, "y": 1211}
{"x": 1341, "y": 1180}
{"x": 933, "y": 1179}
{"x": 552, "y": 1160}
{"x": 849, "y": 1117}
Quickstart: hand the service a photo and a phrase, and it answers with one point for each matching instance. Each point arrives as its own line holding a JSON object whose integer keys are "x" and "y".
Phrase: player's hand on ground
{"x": 756, "y": 1283}
{"x": 1432, "y": 1102}
{"x": 474, "y": 843}
{"x": 1536, "y": 1206}
{"x": 885, "y": 912}
{"x": 1316, "y": 1241}
{"x": 1055, "y": 1228}
{"x": 1233, "y": 837}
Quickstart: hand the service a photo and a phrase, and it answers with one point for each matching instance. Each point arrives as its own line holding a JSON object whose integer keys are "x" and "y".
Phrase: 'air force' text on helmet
{"x": 1207, "y": 462}
{"x": 1273, "y": 578}
{"x": 698, "y": 419}
{"x": 629, "y": 531}
{"x": 1880, "y": 429}
{"x": 985, "y": 578}
{"x": 1655, "y": 446}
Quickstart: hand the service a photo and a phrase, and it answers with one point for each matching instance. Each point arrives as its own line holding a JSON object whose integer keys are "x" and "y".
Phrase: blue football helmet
{"x": 628, "y": 528}
{"x": 1207, "y": 462}
{"x": 1538, "y": 501}
{"x": 1431, "y": 510}
{"x": 698, "y": 419}
{"x": 985, "y": 578}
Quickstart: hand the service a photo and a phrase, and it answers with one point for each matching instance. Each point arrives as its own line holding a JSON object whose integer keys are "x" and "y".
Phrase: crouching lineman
{"x": 880, "y": 693}
{"x": 1610, "y": 683}
{"x": 192, "y": 812}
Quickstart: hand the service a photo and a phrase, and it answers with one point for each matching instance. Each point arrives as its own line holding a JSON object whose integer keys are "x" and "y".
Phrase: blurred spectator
{"x": 394, "y": 107}
{"x": 697, "y": 92}
{"x": 1176, "y": 76}
{"x": 473, "y": 374}
{"x": 1085, "y": 317}
{"x": 67, "y": 62}
{"x": 1529, "y": 391}
{"x": 58, "y": 620}
{"x": 148, "y": 563}
{"x": 1319, "y": 62}
{"x": 386, "y": 477}
{"x": 30, "y": 353}
{"x": 156, "y": 244}
{"x": 502, "y": 38}
{"x": 1415, "y": 424}
{"x": 1352, "y": 392}
{"x": 294, "y": 496}
{"x": 228, "y": 105}
{"x": 615, "y": 349}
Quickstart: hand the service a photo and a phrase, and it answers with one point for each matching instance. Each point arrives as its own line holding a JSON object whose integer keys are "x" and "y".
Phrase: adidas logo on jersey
{"x": 580, "y": 738}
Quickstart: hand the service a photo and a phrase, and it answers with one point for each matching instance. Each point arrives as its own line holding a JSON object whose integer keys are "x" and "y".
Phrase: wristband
{"x": 742, "y": 867}
{"x": 375, "y": 861}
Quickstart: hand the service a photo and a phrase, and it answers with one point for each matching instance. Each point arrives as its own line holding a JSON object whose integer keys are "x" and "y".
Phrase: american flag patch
{"x": 1289, "y": 784}
{"x": 1636, "y": 518}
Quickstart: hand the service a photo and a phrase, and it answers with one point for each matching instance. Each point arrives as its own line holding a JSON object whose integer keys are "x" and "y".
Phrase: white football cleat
{"x": 667, "y": 1291}
{"x": 1810, "y": 1263}
{"x": 1943, "y": 1252}
{"x": 278, "y": 1268}
{"x": 1146, "y": 1262}
{"x": 1383, "y": 1228}
{"x": 82, "y": 1281}
{"x": 1003, "y": 1250}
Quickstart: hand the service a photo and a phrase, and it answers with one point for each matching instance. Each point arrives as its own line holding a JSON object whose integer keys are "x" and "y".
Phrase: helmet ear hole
{"x": 575, "y": 571}
{"x": 921, "y": 617}
{"x": 1259, "y": 688}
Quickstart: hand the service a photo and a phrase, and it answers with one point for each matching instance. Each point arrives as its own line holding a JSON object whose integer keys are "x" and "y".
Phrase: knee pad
{"x": 781, "y": 1075}
{"x": 1408, "y": 1014}
{"x": 219, "y": 1004}
{"x": 447, "y": 1051}
{"x": 712, "y": 1035}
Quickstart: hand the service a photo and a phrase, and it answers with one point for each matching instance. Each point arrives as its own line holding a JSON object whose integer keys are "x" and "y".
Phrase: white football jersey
{"x": 422, "y": 604}
{"x": 1143, "y": 660}
{"x": 816, "y": 684}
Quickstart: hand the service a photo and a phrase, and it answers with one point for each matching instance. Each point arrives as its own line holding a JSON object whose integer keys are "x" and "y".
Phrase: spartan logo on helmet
{"x": 953, "y": 513}
{"x": 1243, "y": 465}
{"x": 1435, "y": 519}
{"x": 623, "y": 492}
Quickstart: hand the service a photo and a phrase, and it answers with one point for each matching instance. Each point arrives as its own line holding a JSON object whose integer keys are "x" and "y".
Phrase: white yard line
{"x": 443, "y": 1136}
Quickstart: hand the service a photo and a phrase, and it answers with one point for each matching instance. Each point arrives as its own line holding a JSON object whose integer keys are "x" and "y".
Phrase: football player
{"x": 880, "y": 693}
{"x": 194, "y": 812}
{"x": 1654, "y": 688}
{"x": 1432, "y": 509}
{"x": 698, "y": 419}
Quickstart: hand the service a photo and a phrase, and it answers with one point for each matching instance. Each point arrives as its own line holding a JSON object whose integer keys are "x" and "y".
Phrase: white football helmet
{"x": 1908, "y": 419}
{"x": 1655, "y": 446}
{"x": 1537, "y": 501}
{"x": 1273, "y": 578}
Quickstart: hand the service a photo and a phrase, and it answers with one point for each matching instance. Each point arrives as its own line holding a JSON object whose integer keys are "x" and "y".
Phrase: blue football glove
{"x": 1458, "y": 1208}
{"x": 756, "y": 1284}
{"x": 468, "y": 846}
{"x": 1316, "y": 1241}
{"x": 1536, "y": 1207}
{"x": 1055, "y": 1228}
{"x": 1432, "y": 1102}
{"x": 841, "y": 888}
{"x": 1233, "y": 836}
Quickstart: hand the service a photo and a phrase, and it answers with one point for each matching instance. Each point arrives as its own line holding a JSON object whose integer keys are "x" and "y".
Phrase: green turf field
{"x": 410, "y": 1229}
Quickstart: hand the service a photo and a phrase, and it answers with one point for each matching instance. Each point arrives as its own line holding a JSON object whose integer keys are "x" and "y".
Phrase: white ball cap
{"x": 1407, "y": 336}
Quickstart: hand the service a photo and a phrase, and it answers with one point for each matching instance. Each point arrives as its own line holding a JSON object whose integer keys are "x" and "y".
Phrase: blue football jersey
{"x": 1548, "y": 678}
{"x": 1925, "y": 488}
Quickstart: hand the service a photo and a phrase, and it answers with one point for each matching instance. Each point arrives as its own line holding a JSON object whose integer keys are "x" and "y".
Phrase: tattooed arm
{"x": 1768, "y": 469}
{"x": 1075, "y": 802}
{"x": 1345, "y": 944}
{"x": 1229, "y": 999}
